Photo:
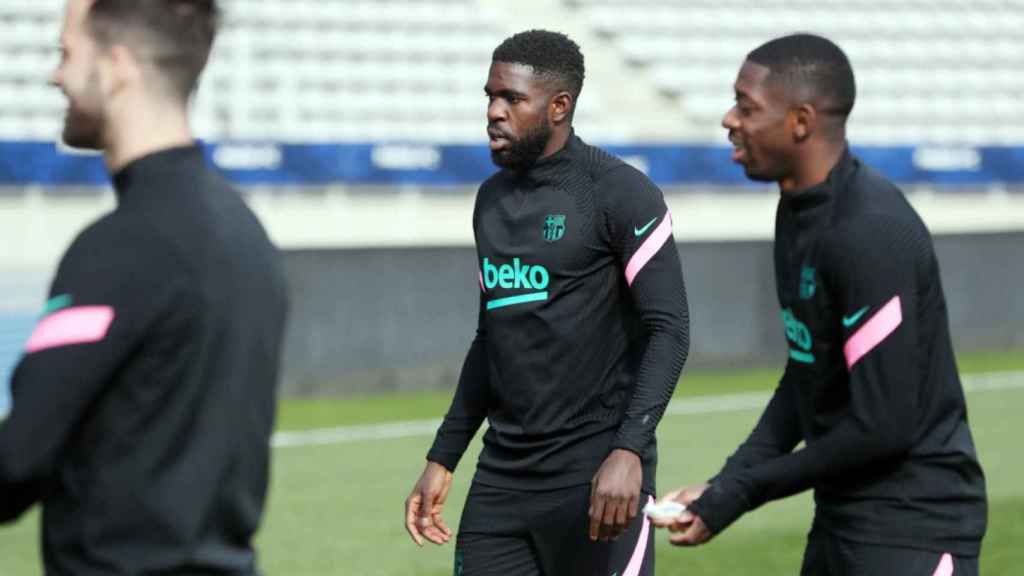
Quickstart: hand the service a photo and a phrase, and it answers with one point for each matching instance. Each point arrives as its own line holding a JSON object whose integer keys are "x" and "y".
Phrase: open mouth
{"x": 498, "y": 140}
{"x": 739, "y": 152}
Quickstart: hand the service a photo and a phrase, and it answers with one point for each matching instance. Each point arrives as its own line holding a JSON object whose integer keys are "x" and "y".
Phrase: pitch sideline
{"x": 981, "y": 382}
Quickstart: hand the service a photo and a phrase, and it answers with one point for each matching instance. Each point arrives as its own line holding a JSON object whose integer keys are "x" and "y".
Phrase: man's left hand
{"x": 693, "y": 533}
{"x": 615, "y": 495}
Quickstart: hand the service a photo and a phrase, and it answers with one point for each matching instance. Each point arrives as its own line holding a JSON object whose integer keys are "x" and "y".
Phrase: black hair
{"x": 812, "y": 66}
{"x": 550, "y": 54}
{"x": 176, "y": 36}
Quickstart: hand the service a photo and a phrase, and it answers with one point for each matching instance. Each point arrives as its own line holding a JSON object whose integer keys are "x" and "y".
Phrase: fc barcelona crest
{"x": 807, "y": 283}
{"x": 554, "y": 227}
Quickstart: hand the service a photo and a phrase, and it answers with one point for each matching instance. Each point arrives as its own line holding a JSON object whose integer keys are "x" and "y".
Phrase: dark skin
{"x": 780, "y": 135}
{"x": 520, "y": 102}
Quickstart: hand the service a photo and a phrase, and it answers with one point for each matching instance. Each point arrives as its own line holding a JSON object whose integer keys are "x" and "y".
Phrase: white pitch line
{"x": 325, "y": 436}
{"x": 983, "y": 382}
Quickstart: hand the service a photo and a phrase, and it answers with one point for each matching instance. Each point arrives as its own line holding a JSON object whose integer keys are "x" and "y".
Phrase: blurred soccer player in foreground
{"x": 871, "y": 384}
{"x": 143, "y": 405}
{"x": 583, "y": 330}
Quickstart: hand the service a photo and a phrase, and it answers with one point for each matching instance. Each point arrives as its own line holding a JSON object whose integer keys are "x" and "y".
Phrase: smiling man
{"x": 871, "y": 384}
{"x": 144, "y": 401}
{"x": 582, "y": 334}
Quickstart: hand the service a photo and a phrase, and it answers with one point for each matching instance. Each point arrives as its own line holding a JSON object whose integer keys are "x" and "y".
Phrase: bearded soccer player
{"x": 144, "y": 402}
{"x": 582, "y": 334}
{"x": 871, "y": 384}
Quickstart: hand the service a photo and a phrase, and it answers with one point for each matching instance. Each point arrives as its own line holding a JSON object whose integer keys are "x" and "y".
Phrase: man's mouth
{"x": 739, "y": 152}
{"x": 498, "y": 139}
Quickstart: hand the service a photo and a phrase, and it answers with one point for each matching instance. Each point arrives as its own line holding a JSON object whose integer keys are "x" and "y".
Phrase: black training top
{"x": 871, "y": 384}
{"x": 583, "y": 324}
{"x": 143, "y": 406}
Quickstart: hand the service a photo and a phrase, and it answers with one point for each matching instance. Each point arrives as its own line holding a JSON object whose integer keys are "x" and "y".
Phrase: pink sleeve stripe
{"x": 873, "y": 332}
{"x": 945, "y": 567}
{"x": 649, "y": 248}
{"x": 480, "y": 276}
{"x": 636, "y": 562}
{"x": 80, "y": 325}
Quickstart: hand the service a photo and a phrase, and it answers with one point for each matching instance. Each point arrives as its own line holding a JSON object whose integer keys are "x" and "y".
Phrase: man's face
{"x": 78, "y": 77}
{"x": 758, "y": 127}
{"x": 517, "y": 115}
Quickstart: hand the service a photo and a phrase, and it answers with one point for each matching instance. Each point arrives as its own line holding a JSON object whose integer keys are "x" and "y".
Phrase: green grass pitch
{"x": 338, "y": 509}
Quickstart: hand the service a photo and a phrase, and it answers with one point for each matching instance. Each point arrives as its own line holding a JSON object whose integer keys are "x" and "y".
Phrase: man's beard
{"x": 83, "y": 128}
{"x": 522, "y": 153}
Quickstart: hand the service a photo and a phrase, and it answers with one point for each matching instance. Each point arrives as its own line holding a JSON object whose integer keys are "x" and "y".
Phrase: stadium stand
{"x": 296, "y": 71}
{"x": 29, "y": 109}
{"x": 358, "y": 125}
{"x": 929, "y": 71}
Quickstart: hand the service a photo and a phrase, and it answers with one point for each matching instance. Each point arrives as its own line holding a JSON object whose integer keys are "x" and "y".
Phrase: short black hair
{"x": 814, "y": 64}
{"x": 176, "y": 36}
{"x": 550, "y": 54}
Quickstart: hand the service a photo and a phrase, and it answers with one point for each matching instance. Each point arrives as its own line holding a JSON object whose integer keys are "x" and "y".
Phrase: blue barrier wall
{"x": 43, "y": 163}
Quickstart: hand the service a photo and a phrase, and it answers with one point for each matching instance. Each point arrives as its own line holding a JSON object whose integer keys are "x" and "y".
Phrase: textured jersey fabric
{"x": 583, "y": 323}
{"x": 144, "y": 403}
{"x": 871, "y": 384}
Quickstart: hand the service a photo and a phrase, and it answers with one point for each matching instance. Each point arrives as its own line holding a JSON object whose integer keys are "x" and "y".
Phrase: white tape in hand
{"x": 664, "y": 510}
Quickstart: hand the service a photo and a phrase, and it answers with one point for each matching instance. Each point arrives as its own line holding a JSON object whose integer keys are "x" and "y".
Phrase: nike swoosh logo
{"x": 642, "y": 231}
{"x": 851, "y": 320}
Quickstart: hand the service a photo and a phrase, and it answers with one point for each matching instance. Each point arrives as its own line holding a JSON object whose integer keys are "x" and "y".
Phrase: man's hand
{"x": 695, "y": 534}
{"x": 688, "y": 529}
{"x": 615, "y": 495}
{"x": 423, "y": 507}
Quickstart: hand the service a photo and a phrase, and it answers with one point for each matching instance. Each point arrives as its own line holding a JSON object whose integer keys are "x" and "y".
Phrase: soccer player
{"x": 144, "y": 402}
{"x": 582, "y": 333}
{"x": 871, "y": 384}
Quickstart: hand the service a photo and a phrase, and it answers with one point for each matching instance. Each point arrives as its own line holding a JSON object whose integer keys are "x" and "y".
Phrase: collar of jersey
{"x": 142, "y": 172}
{"x": 819, "y": 194}
{"x": 544, "y": 167}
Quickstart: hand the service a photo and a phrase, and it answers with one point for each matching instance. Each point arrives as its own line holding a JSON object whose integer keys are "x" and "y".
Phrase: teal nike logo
{"x": 642, "y": 231}
{"x": 57, "y": 303}
{"x": 851, "y": 320}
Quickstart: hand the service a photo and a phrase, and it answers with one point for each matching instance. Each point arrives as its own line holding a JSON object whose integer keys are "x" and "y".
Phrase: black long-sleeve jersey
{"x": 583, "y": 325}
{"x": 143, "y": 405}
{"x": 871, "y": 384}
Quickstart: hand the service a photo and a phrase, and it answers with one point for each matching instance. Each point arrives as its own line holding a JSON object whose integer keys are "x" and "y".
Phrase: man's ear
{"x": 119, "y": 68}
{"x": 805, "y": 122}
{"x": 560, "y": 108}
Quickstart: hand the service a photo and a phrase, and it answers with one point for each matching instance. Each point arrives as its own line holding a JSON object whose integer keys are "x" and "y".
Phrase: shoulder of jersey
{"x": 870, "y": 197}
{"x": 599, "y": 161}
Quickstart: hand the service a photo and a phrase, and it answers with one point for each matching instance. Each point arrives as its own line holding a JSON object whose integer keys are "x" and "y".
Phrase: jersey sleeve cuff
{"x": 448, "y": 459}
{"x": 629, "y": 442}
{"x": 720, "y": 506}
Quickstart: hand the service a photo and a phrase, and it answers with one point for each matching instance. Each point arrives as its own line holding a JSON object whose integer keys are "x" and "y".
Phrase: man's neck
{"x": 143, "y": 129}
{"x": 813, "y": 167}
{"x": 558, "y": 140}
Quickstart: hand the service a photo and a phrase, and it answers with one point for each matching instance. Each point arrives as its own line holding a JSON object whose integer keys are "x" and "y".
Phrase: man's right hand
{"x": 423, "y": 507}
{"x": 685, "y": 496}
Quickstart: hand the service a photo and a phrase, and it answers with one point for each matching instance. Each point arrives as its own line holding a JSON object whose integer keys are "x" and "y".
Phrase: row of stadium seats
{"x": 928, "y": 70}
{"x": 944, "y": 71}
